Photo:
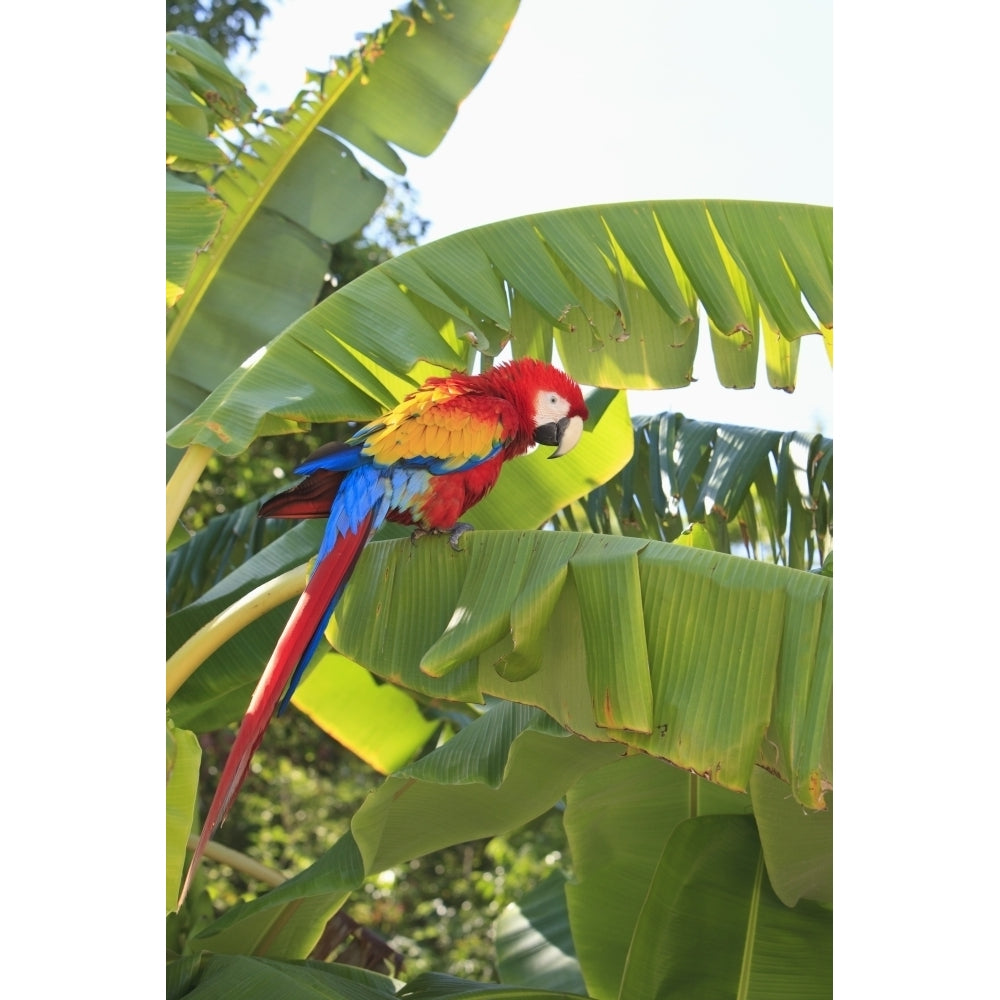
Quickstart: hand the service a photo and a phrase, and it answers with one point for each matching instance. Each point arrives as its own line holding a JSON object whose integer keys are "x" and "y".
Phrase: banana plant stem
{"x": 186, "y": 660}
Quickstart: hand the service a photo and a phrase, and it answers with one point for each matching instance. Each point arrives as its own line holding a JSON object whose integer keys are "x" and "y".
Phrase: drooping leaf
{"x": 738, "y": 651}
{"x": 618, "y": 668}
{"x": 419, "y": 307}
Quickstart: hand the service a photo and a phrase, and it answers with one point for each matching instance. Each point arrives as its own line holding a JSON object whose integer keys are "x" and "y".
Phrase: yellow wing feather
{"x": 439, "y": 422}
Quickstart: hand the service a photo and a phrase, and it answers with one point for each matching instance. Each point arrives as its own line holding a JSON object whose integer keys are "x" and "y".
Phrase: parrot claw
{"x": 454, "y": 533}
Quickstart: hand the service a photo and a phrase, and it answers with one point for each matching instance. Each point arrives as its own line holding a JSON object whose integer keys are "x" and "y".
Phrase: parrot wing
{"x": 440, "y": 431}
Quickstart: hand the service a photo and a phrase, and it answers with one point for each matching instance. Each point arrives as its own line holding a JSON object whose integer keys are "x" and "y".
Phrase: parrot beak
{"x": 564, "y": 434}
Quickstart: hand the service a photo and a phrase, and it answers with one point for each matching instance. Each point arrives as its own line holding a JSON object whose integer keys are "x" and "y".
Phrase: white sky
{"x": 594, "y": 102}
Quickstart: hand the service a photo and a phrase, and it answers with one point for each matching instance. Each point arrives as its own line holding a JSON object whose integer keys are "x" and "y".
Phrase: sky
{"x": 588, "y": 103}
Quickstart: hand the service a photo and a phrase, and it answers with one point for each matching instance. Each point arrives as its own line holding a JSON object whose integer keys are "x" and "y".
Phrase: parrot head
{"x": 558, "y": 411}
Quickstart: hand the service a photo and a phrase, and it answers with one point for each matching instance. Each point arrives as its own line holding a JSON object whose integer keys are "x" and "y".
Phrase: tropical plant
{"x": 675, "y": 697}
{"x": 226, "y": 25}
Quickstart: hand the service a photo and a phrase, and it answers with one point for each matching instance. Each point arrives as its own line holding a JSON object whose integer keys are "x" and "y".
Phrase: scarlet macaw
{"x": 424, "y": 463}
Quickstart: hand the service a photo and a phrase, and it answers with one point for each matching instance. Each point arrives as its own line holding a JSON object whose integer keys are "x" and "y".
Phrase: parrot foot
{"x": 454, "y": 533}
{"x": 460, "y": 528}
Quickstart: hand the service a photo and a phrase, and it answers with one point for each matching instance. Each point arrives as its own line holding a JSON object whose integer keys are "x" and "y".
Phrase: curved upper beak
{"x": 564, "y": 434}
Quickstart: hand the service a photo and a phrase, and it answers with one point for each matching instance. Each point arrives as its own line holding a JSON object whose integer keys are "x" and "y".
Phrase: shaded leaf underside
{"x": 616, "y": 288}
{"x": 734, "y": 656}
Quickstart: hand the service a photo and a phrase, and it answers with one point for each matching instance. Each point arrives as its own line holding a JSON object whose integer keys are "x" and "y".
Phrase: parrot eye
{"x": 549, "y": 407}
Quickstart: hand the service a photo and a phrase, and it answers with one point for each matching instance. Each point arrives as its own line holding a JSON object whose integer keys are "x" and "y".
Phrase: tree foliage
{"x": 224, "y": 24}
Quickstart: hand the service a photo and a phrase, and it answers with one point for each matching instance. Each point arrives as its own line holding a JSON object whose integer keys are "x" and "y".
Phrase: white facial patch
{"x": 550, "y": 407}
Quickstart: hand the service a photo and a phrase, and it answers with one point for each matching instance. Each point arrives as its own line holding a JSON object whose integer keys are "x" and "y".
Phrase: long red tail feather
{"x": 310, "y": 614}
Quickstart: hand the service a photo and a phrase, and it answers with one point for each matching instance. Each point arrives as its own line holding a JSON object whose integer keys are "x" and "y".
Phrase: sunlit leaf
{"x": 738, "y": 651}
{"x": 183, "y": 759}
{"x": 379, "y": 723}
{"x": 418, "y": 306}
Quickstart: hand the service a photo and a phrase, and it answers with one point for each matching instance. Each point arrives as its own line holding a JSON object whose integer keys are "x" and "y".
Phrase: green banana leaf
{"x": 203, "y": 98}
{"x": 762, "y": 493}
{"x": 711, "y": 925}
{"x": 224, "y": 977}
{"x": 192, "y": 220}
{"x": 534, "y": 941}
{"x": 291, "y": 185}
{"x": 797, "y": 844}
{"x": 644, "y": 839}
{"x": 620, "y": 820}
{"x": 614, "y": 288}
{"x": 710, "y": 661}
{"x": 628, "y": 822}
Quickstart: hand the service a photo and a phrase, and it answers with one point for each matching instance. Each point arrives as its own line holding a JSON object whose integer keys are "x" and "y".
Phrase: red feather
{"x": 308, "y": 615}
{"x": 313, "y": 497}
